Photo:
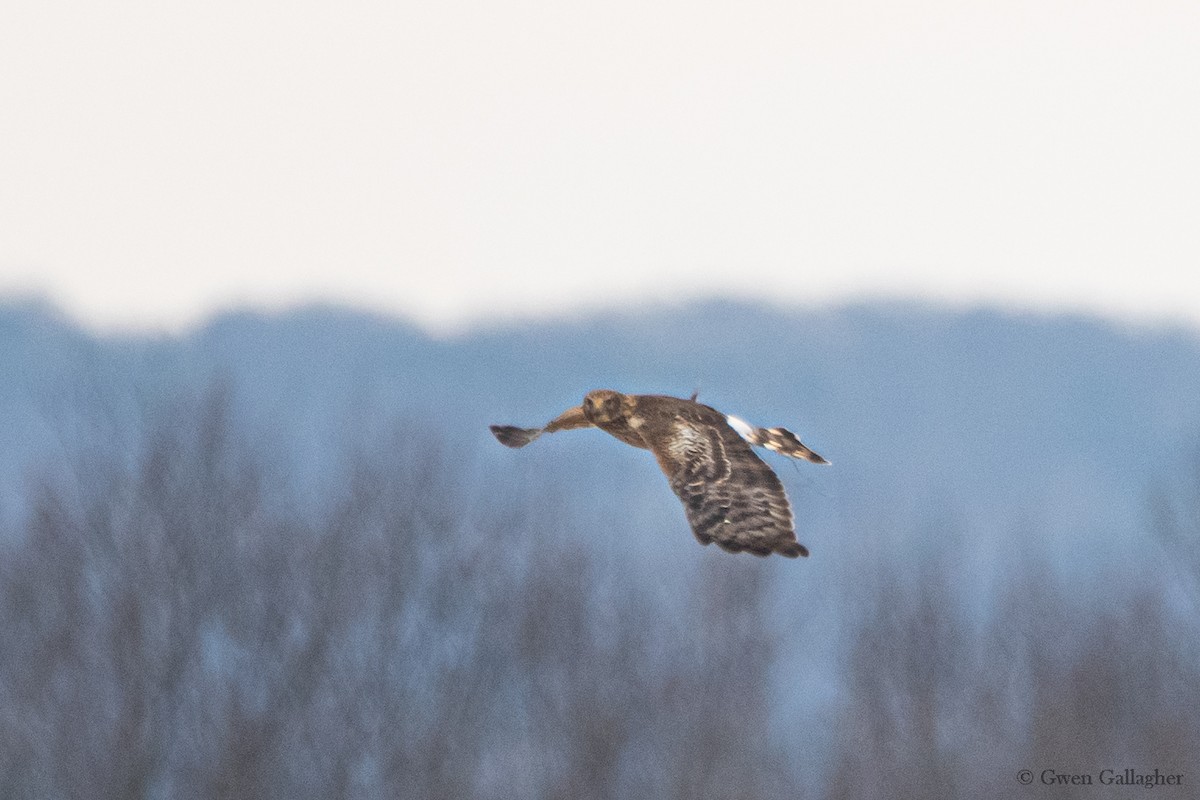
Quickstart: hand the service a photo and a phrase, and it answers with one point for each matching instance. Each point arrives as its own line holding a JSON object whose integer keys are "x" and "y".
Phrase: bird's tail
{"x": 783, "y": 441}
{"x": 780, "y": 440}
{"x": 511, "y": 436}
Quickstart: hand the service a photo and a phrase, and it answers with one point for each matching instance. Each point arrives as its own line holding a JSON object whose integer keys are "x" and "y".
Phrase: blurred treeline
{"x": 171, "y": 626}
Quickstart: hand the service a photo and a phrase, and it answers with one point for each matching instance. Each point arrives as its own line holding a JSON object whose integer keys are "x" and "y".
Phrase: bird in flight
{"x": 731, "y": 497}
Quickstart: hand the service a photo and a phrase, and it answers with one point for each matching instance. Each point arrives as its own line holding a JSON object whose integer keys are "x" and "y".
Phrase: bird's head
{"x": 604, "y": 405}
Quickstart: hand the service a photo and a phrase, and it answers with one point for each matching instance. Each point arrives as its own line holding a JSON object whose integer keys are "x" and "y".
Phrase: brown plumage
{"x": 731, "y": 497}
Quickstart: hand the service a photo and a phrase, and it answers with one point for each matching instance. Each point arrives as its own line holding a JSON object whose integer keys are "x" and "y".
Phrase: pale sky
{"x": 455, "y": 161}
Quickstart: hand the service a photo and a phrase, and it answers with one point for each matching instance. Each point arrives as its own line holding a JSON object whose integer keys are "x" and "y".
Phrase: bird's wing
{"x": 519, "y": 437}
{"x": 730, "y": 495}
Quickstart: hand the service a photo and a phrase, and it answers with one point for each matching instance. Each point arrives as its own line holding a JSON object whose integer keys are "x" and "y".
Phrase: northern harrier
{"x": 730, "y": 496}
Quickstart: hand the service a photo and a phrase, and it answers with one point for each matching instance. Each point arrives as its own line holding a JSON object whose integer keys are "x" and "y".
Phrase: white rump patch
{"x": 744, "y": 429}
